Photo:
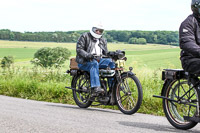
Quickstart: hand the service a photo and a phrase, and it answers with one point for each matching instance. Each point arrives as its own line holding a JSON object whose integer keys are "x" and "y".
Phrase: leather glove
{"x": 90, "y": 56}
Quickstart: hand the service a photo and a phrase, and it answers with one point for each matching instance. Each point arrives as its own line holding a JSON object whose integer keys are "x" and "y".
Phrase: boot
{"x": 98, "y": 90}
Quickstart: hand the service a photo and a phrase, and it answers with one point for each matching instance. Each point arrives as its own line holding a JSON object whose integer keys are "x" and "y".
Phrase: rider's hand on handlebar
{"x": 90, "y": 56}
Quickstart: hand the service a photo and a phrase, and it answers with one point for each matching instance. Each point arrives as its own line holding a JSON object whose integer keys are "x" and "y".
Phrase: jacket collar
{"x": 94, "y": 39}
{"x": 197, "y": 17}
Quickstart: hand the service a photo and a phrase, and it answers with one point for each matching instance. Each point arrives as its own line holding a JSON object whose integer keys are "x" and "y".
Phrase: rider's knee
{"x": 94, "y": 63}
{"x": 112, "y": 65}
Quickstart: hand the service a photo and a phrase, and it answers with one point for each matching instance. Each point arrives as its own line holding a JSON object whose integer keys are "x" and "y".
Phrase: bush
{"x": 142, "y": 41}
{"x": 134, "y": 40}
{"x": 7, "y": 61}
{"x": 48, "y": 57}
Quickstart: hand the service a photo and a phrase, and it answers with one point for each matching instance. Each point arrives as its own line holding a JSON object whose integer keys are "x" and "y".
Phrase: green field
{"x": 151, "y": 56}
{"x": 26, "y": 81}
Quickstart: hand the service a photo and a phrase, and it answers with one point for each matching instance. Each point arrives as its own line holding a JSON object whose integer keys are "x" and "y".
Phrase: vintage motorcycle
{"x": 125, "y": 91}
{"x": 180, "y": 94}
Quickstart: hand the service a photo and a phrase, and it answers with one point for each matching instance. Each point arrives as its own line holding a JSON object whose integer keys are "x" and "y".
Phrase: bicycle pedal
{"x": 92, "y": 98}
{"x": 104, "y": 99}
{"x": 94, "y": 95}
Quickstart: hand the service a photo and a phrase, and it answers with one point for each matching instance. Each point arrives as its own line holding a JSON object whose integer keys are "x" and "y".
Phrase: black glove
{"x": 90, "y": 57}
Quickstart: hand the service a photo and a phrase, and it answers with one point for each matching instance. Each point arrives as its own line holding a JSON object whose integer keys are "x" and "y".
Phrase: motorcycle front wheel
{"x": 81, "y": 91}
{"x": 128, "y": 94}
{"x": 182, "y": 101}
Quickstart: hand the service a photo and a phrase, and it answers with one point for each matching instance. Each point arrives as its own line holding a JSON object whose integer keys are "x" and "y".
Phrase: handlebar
{"x": 115, "y": 55}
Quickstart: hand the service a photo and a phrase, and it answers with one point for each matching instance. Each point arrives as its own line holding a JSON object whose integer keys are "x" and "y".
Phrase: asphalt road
{"x": 28, "y": 116}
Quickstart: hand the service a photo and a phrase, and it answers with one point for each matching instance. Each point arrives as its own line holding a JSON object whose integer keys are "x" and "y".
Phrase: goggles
{"x": 97, "y": 29}
{"x": 100, "y": 30}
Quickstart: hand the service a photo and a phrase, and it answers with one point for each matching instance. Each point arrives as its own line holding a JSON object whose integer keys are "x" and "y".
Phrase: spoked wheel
{"x": 82, "y": 92}
{"x": 184, "y": 102}
{"x": 128, "y": 94}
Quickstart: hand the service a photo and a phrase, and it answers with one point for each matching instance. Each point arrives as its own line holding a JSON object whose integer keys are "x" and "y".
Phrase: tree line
{"x": 131, "y": 37}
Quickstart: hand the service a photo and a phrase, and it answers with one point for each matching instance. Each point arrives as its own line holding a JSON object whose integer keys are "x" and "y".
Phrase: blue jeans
{"x": 93, "y": 68}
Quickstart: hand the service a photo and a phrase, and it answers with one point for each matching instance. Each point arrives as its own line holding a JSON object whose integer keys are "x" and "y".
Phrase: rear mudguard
{"x": 166, "y": 82}
{"x": 73, "y": 80}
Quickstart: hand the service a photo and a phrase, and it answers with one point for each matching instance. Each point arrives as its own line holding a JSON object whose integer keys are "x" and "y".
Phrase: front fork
{"x": 118, "y": 79}
{"x": 118, "y": 76}
{"x": 198, "y": 114}
{"x": 195, "y": 82}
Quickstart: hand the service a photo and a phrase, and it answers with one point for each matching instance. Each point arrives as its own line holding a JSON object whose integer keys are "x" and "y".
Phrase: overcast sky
{"x": 68, "y": 15}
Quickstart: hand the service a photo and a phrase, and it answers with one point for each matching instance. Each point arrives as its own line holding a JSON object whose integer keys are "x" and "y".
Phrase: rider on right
{"x": 189, "y": 37}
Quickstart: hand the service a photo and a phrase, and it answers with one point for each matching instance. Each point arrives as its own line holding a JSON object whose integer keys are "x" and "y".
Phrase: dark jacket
{"x": 189, "y": 39}
{"x": 85, "y": 45}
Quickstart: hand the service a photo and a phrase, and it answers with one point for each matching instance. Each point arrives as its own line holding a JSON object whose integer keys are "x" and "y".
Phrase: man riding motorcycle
{"x": 189, "y": 37}
{"x": 90, "y": 44}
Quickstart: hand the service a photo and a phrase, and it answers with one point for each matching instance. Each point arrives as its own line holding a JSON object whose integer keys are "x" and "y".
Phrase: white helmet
{"x": 98, "y": 26}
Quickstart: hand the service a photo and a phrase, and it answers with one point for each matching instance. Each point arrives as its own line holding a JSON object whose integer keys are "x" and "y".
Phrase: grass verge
{"x": 49, "y": 85}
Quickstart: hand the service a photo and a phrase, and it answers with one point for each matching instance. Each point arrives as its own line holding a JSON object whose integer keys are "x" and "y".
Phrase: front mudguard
{"x": 116, "y": 79}
{"x": 128, "y": 72}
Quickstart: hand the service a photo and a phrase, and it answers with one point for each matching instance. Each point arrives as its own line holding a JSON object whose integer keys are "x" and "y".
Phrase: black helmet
{"x": 195, "y": 5}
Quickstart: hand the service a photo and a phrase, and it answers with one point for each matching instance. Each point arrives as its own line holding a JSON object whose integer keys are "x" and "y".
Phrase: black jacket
{"x": 189, "y": 39}
{"x": 85, "y": 45}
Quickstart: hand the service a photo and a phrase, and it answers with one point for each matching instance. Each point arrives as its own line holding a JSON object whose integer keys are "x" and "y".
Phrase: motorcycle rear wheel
{"x": 81, "y": 92}
{"x": 128, "y": 94}
{"x": 187, "y": 105}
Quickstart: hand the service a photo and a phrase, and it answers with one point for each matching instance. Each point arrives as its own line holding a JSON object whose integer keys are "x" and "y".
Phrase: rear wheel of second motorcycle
{"x": 81, "y": 91}
{"x": 128, "y": 94}
{"x": 184, "y": 102}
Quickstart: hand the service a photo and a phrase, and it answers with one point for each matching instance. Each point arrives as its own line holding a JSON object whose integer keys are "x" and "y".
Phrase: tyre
{"x": 128, "y": 94}
{"x": 81, "y": 92}
{"x": 187, "y": 101}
